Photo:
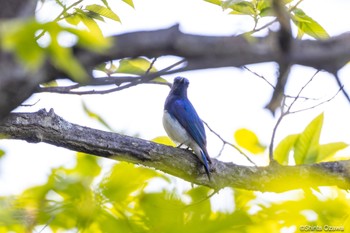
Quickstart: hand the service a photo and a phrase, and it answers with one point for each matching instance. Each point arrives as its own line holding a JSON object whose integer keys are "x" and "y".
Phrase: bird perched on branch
{"x": 182, "y": 123}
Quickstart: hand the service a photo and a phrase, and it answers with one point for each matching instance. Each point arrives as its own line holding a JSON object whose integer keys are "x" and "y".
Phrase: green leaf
{"x": 308, "y": 142}
{"x": 326, "y": 151}
{"x": 281, "y": 153}
{"x": 104, "y": 11}
{"x": 215, "y": 2}
{"x": 95, "y": 116}
{"x": 125, "y": 179}
{"x": 135, "y": 66}
{"x": 240, "y": 7}
{"x": 129, "y": 2}
{"x": 19, "y": 37}
{"x": 87, "y": 166}
{"x": 248, "y": 140}
{"x": 94, "y": 15}
{"x": 64, "y": 59}
{"x": 307, "y": 25}
{"x": 105, "y": 2}
{"x": 90, "y": 23}
{"x": 264, "y": 8}
{"x": 95, "y": 42}
{"x": 50, "y": 84}
{"x": 2, "y": 153}
{"x": 73, "y": 19}
{"x": 164, "y": 140}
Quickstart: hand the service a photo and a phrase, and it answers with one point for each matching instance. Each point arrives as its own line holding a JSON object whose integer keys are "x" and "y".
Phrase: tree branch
{"x": 202, "y": 52}
{"x": 47, "y": 127}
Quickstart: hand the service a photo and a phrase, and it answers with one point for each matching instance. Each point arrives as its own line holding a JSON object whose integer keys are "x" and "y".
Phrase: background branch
{"x": 200, "y": 52}
{"x": 47, "y": 127}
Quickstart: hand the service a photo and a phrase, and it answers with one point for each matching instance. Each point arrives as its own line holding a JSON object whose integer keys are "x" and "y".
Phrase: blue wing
{"x": 186, "y": 115}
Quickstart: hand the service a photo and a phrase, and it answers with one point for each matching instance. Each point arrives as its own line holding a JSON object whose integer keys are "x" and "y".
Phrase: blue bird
{"x": 182, "y": 123}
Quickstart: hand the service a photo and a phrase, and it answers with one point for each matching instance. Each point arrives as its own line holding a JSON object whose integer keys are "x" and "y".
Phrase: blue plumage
{"x": 182, "y": 123}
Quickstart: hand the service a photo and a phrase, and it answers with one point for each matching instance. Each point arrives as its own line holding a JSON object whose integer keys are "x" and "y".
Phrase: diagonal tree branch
{"x": 47, "y": 127}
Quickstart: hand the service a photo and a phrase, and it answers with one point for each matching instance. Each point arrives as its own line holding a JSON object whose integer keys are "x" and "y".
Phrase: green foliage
{"x": 102, "y": 11}
{"x": 282, "y": 150}
{"x": 248, "y": 140}
{"x": 306, "y": 147}
{"x": 258, "y": 9}
{"x": 306, "y": 25}
{"x": 138, "y": 66}
{"x": 78, "y": 199}
{"x": 21, "y": 37}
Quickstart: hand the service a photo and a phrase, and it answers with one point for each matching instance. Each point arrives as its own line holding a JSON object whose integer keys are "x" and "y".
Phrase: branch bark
{"x": 201, "y": 52}
{"x": 204, "y": 52}
{"x": 48, "y": 127}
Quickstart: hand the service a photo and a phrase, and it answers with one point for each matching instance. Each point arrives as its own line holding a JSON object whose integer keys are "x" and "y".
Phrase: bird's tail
{"x": 205, "y": 163}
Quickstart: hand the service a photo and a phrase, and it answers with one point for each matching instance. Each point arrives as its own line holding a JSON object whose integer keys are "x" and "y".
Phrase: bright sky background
{"x": 227, "y": 98}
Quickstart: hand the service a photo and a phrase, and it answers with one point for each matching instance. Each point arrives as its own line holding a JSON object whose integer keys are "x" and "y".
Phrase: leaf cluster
{"x": 85, "y": 199}
{"x": 34, "y": 42}
{"x": 258, "y": 9}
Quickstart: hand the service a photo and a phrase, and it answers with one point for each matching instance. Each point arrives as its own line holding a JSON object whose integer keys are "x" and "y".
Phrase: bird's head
{"x": 180, "y": 86}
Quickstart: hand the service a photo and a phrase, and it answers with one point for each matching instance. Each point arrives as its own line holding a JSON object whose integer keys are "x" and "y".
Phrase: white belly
{"x": 174, "y": 129}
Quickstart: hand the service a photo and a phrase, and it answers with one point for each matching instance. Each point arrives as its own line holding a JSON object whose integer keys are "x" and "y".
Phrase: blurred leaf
{"x": 104, "y": 11}
{"x": 90, "y": 23}
{"x": 248, "y": 140}
{"x": 164, "y": 140}
{"x": 105, "y": 2}
{"x": 129, "y": 2}
{"x": 94, "y": 15}
{"x": 243, "y": 198}
{"x": 160, "y": 80}
{"x": 135, "y": 66}
{"x": 95, "y": 116}
{"x": 326, "y": 151}
{"x": 19, "y": 37}
{"x": 64, "y": 59}
{"x": 125, "y": 179}
{"x": 50, "y": 84}
{"x": 308, "y": 142}
{"x": 95, "y": 42}
{"x": 164, "y": 212}
{"x": 73, "y": 19}
{"x": 2, "y": 153}
{"x": 240, "y": 7}
{"x": 215, "y": 2}
{"x": 281, "y": 153}
{"x": 87, "y": 165}
{"x": 264, "y": 8}
{"x": 307, "y": 25}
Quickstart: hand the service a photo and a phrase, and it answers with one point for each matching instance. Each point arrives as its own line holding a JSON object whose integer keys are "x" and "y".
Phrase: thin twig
{"x": 260, "y": 76}
{"x": 151, "y": 65}
{"x": 30, "y": 105}
{"x": 341, "y": 86}
{"x": 228, "y": 143}
{"x": 288, "y": 111}
{"x": 58, "y": 18}
{"x": 204, "y": 199}
{"x": 271, "y": 85}
{"x": 323, "y": 102}
{"x": 136, "y": 80}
